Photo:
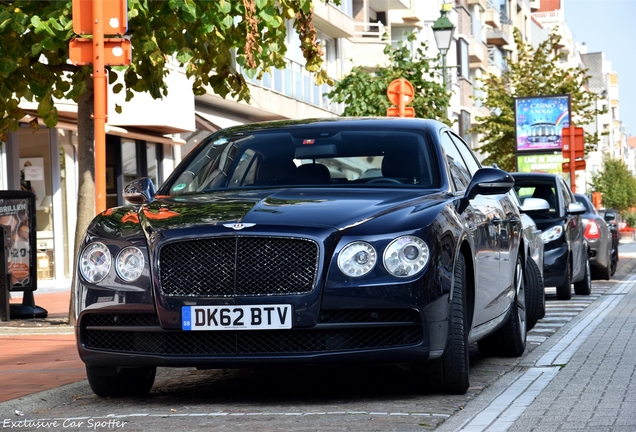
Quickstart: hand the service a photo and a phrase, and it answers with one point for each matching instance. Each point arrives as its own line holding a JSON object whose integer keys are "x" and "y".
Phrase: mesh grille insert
{"x": 238, "y": 266}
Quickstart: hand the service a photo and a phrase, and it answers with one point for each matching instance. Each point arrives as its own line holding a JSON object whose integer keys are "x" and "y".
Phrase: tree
{"x": 616, "y": 183}
{"x": 364, "y": 92}
{"x": 201, "y": 36}
{"x": 536, "y": 72}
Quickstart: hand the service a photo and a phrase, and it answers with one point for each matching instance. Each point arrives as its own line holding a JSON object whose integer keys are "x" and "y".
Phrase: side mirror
{"x": 535, "y": 205}
{"x": 609, "y": 217}
{"x": 576, "y": 208}
{"x": 489, "y": 181}
{"x": 140, "y": 191}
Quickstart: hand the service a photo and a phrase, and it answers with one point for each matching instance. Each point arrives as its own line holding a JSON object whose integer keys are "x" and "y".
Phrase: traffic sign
{"x": 117, "y": 51}
{"x": 579, "y": 164}
{"x": 400, "y": 90}
{"x": 578, "y": 141}
{"x": 115, "y": 15}
{"x": 395, "y": 112}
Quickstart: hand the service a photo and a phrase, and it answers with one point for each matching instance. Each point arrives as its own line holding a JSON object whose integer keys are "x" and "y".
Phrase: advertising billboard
{"x": 539, "y": 121}
{"x": 542, "y": 163}
{"x": 17, "y": 213}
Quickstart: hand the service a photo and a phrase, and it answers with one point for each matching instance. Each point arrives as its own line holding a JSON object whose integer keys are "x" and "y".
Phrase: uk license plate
{"x": 254, "y": 317}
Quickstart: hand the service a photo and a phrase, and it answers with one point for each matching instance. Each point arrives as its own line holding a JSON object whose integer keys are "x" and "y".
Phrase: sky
{"x": 610, "y": 26}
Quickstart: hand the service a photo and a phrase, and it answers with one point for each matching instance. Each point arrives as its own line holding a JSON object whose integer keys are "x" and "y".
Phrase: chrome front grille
{"x": 238, "y": 266}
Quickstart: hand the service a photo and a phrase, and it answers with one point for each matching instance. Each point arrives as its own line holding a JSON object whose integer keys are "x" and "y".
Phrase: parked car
{"x": 566, "y": 250}
{"x": 252, "y": 253}
{"x": 613, "y": 219}
{"x": 599, "y": 240}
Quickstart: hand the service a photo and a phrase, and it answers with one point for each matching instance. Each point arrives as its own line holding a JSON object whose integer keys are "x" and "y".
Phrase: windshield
{"x": 291, "y": 158}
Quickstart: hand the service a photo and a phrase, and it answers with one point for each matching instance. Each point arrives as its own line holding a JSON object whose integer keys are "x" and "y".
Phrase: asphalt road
{"x": 299, "y": 398}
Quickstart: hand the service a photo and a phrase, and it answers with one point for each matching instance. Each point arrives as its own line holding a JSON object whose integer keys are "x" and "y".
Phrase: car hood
{"x": 279, "y": 208}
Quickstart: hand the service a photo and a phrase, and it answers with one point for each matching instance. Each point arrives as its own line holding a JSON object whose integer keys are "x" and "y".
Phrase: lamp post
{"x": 443, "y": 30}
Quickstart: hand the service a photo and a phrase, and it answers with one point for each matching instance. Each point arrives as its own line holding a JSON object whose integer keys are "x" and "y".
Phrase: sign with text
{"x": 18, "y": 214}
{"x": 541, "y": 163}
{"x": 539, "y": 121}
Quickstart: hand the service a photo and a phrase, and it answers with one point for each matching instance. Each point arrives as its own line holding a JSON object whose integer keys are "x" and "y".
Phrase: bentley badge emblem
{"x": 238, "y": 225}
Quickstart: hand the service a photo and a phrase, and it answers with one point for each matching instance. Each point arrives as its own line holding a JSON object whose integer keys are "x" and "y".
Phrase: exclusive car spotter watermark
{"x": 65, "y": 424}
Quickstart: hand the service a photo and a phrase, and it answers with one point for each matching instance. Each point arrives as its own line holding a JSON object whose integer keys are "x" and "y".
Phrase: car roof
{"x": 343, "y": 122}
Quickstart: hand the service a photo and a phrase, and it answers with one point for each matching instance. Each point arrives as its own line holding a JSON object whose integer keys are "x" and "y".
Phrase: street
{"x": 336, "y": 398}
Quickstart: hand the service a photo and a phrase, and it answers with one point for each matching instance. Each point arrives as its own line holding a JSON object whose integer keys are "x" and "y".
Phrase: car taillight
{"x": 592, "y": 232}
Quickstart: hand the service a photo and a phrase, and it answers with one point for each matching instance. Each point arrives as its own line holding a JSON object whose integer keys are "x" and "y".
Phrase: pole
{"x": 444, "y": 70}
{"x": 401, "y": 98}
{"x": 572, "y": 159}
{"x": 99, "y": 114}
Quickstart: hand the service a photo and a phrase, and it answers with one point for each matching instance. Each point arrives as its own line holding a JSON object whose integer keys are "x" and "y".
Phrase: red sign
{"x": 578, "y": 141}
{"x": 117, "y": 51}
{"x": 579, "y": 164}
{"x": 400, "y": 90}
{"x": 395, "y": 112}
{"x": 115, "y": 17}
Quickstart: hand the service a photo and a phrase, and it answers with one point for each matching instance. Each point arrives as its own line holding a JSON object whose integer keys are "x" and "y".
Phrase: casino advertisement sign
{"x": 17, "y": 215}
{"x": 539, "y": 122}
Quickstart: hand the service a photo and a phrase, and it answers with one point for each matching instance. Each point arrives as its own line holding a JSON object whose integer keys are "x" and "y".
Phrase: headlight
{"x": 406, "y": 256}
{"x": 357, "y": 259}
{"x": 95, "y": 262}
{"x": 552, "y": 234}
{"x": 130, "y": 263}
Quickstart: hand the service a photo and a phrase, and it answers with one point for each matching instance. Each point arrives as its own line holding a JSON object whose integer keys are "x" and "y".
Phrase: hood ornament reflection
{"x": 238, "y": 225}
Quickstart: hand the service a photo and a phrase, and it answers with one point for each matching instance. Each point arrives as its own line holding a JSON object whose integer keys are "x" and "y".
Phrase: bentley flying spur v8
{"x": 368, "y": 240}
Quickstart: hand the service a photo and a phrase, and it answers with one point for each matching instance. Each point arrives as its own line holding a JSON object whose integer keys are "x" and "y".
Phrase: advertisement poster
{"x": 539, "y": 121}
{"x": 16, "y": 213}
{"x": 542, "y": 163}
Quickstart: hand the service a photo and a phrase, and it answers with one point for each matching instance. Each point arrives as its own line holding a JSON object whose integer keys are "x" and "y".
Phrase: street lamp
{"x": 443, "y": 30}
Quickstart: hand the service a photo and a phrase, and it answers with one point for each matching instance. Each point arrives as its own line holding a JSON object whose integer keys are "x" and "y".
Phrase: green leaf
{"x": 224, "y": 6}
{"x": 7, "y": 65}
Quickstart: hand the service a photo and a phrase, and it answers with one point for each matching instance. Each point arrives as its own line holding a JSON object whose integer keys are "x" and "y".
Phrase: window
{"x": 463, "y": 68}
{"x": 460, "y": 174}
{"x": 467, "y": 155}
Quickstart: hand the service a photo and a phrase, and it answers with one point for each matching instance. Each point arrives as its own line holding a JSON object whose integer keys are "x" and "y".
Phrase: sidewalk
{"x": 39, "y": 354}
{"x": 581, "y": 378}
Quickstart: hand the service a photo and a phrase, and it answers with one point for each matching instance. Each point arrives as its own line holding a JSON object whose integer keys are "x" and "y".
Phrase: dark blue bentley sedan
{"x": 315, "y": 241}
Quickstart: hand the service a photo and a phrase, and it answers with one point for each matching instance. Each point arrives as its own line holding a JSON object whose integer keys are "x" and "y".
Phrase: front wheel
{"x": 116, "y": 381}
{"x": 535, "y": 293}
{"x": 451, "y": 372}
{"x": 584, "y": 287}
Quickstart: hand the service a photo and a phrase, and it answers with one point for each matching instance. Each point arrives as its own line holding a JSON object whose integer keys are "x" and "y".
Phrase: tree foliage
{"x": 364, "y": 92}
{"x": 536, "y": 72}
{"x": 203, "y": 37}
{"x": 616, "y": 183}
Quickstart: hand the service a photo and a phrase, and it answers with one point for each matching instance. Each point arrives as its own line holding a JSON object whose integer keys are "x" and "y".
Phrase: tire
{"x": 510, "y": 340}
{"x": 606, "y": 273}
{"x": 564, "y": 292}
{"x": 535, "y": 294}
{"x": 450, "y": 374}
{"x": 584, "y": 287}
{"x": 614, "y": 262}
{"x": 123, "y": 382}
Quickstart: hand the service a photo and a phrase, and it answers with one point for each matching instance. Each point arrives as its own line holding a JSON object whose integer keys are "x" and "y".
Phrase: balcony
{"x": 491, "y": 18}
{"x": 332, "y": 21}
{"x": 500, "y": 37}
{"x": 375, "y": 32}
{"x": 482, "y": 3}
{"x": 385, "y": 5}
{"x": 477, "y": 55}
{"x": 535, "y": 5}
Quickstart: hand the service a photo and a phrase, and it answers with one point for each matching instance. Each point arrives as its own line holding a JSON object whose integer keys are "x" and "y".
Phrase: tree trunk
{"x": 86, "y": 180}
